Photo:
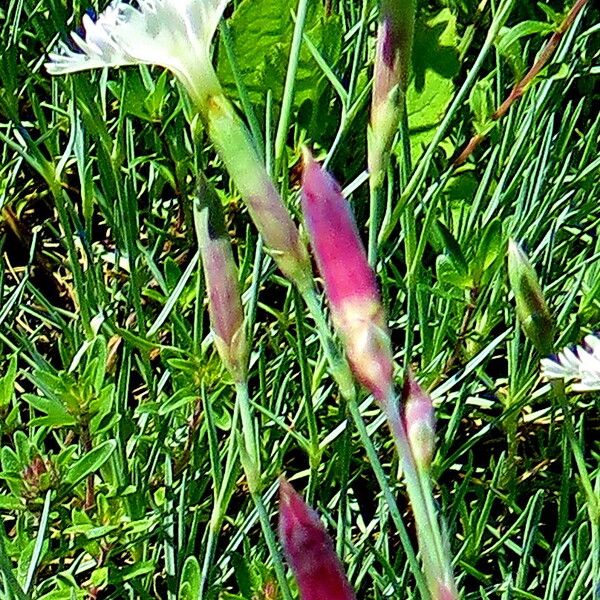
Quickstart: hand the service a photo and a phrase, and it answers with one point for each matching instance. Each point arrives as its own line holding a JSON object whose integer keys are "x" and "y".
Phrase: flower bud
{"x": 222, "y": 284}
{"x": 350, "y": 283}
{"x": 390, "y": 78}
{"x": 419, "y": 421}
{"x": 532, "y": 310}
{"x": 309, "y": 549}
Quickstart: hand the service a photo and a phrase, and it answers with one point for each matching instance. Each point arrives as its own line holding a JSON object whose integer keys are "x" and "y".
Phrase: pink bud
{"x": 220, "y": 273}
{"x": 350, "y": 283}
{"x": 419, "y": 421}
{"x": 309, "y": 549}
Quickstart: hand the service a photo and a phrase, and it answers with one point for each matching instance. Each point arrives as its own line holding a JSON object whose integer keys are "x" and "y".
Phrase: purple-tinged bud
{"x": 309, "y": 549}
{"x": 532, "y": 310}
{"x": 222, "y": 284}
{"x": 390, "y": 78}
{"x": 350, "y": 283}
{"x": 419, "y": 421}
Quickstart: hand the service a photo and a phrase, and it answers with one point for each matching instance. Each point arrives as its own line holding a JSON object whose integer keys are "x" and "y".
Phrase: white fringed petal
{"x": 175, "y": 34}
{"x": 580, "y": 365}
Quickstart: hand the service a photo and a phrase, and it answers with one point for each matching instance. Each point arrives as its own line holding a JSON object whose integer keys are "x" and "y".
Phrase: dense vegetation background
{"x": 115, "y": 409}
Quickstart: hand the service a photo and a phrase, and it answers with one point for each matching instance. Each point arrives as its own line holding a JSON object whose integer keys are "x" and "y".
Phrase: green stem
{"x": 593, "y": 499}
{"x": 376, "y": 202}
{"x": 248, "y": 430}
{"x": 389, "y": 498}
{"x": 250, "y": 463}
{"x": 314, "y": 449}
{"x": 436, "y": 561}
{"x": 420, "y": 171}
{"x": 219, "y": 511}
{"x": 288, "y": 90}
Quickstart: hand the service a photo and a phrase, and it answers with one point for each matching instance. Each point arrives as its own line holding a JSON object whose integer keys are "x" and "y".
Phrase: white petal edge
{"x": 580, "y": 365}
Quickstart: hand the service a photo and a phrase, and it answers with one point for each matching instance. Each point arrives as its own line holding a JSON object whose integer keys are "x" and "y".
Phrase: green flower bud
{"x": 532, "y": 310}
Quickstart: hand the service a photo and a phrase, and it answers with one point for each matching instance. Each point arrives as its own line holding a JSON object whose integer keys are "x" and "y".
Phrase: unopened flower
{"x": 350, "y": 283}
{"x": 222, "y": 284}
{"x": 390, "y": 78}
{"x": 419, "y": 420}
{"x": 580, "y": 365}
{"x": 309, "y": 549}
{"x": 175, "y": 34}
{"x": 532, "y": 310}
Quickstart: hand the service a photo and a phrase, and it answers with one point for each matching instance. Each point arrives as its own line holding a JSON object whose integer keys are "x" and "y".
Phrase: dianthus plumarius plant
{"x": 195, "y": 305}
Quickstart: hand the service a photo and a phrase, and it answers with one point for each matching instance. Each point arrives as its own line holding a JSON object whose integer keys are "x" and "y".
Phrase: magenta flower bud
{"x": 419, "y": 421}
{"x": 350, "y": 283}
{"x": 222, "y": 284}
{"x": 309, "y": 549}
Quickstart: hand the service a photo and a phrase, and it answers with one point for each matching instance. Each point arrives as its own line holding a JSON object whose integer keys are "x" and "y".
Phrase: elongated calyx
{"x": 222, "y": 284}
{"x": 350, "y": 283}
{"x": 390, "y": 78}
{"x": 419, "y": 420}
{"x": 309, "y": 549}
{"x": 272, "y": 219}
{"x": 532, "y": 310}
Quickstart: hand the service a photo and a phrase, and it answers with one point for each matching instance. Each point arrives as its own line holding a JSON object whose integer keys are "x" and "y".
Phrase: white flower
{"x": 175, "y": 34}
{"x": 580, "y": 365}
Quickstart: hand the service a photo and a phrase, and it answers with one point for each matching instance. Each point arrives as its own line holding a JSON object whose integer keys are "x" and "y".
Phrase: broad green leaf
{"x": 446, "y": 272}
{"x": 261, "y": 32}
{"x": 435, "y": 64}
{"x": 56, "y": 414}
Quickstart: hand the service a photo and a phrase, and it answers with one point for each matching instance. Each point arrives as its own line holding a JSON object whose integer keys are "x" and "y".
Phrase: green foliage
{"x": 435, "y": 65}
{"x": 119, "y": 457}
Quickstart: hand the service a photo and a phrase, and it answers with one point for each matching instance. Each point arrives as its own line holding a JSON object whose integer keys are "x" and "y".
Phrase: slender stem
{"x": 290, "y": 79}
{"x": 248, "y": 426}
{"x": 343, "y": 376}
{"x": 314, "y": 449}
{"x": 389, "y": 498}
{"x": 519, "y": 89}
{"x": 424, "y": 162}
{"x": 223, "y": 496}
{"x": 437, "y": 564}
{"x": 376, "y": 201}
{"x": 251, "y": 465}
{"x": 593, "y": 499}
{"x": 272, "y": 545}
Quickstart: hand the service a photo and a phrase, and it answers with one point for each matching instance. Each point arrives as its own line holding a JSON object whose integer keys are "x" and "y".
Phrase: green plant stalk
{"x": 313, "y": 430}
{"x": 249, "y": 449}
{"x": 222, "y": 500}
{"x": 290, "y": 79}
{"x": 436, "y": 560}
{"x": 420, "y": 171}
{"x": 376, "y": 203}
